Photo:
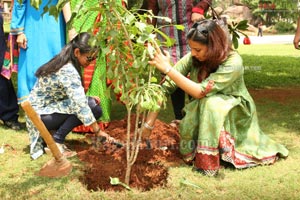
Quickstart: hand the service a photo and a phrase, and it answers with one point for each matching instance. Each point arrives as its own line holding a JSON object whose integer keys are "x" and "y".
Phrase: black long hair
{"x": 209, "y": 33}
{"x": 81, "y": 41}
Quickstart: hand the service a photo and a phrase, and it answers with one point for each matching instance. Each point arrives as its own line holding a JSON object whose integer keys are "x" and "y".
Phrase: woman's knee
{"x": 97, "y": 111}
{"x": 213, "y": 103}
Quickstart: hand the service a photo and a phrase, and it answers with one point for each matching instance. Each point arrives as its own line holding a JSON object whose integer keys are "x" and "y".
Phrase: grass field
{"x": 264, "y": 69}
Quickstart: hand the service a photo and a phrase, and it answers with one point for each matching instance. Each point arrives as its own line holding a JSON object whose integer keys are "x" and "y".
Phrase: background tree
{"x": 282, "y": 13}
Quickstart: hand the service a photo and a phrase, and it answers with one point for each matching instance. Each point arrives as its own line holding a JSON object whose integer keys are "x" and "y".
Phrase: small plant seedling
{"x": 116, "y": 181}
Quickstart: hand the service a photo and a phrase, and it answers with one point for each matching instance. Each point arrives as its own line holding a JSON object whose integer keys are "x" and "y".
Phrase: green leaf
{"x": 183, "y": 181}
{"x": 116, "y": 181}
{"x": 235, "y": 35}
{"x": 45, "y": 10}
{"x": 169, "y": 41}
{"x": 117, "y": 90}
{"x": 60, "y": 4}
{"x": 235, "y": 42}
{"x": 53, "y": 11}
{"x": 93, "y": 41}
{"x": 179, "y": 27}
{"x": 129, "y": 18}
{"x": 151, "y": 50}
{"x": 142, "y": 39}
{"x": 113, "y": 33}
{"x": 35, "y": 3}
{"x": 105, "y": 50}
{"x": 242, "y": 25}
{"x": 141, "y": 26}
{"x": 146, "y": 105}
{"x": 153, "y": 79}
{"x": 135, "y": 4}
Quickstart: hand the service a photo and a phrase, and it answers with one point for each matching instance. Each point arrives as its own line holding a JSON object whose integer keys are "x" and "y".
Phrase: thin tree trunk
{"x": 128, "y": 172}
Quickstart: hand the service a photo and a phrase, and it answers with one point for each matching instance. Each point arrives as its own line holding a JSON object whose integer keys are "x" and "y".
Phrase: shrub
{"x": 284, "y": 27}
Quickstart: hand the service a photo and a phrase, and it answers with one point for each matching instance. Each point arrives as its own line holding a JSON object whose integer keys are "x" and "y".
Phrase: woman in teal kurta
{"x": 40, "y": 37}
{"x": 220, "y": 121}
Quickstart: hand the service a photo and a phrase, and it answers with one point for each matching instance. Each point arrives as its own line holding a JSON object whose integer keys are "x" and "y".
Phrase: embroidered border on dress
{"x": 207, "y": 159}
{"x": 239, "y": 160}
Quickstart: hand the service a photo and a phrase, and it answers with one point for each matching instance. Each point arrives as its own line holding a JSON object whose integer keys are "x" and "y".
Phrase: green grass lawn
{"x": 281, "y": 50}
{"x": 264, "y": 69}
{"x": 271, "y": 65}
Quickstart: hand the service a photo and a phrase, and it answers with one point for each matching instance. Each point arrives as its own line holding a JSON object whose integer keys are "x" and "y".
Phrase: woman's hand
{"x": 22, "y": 40}
{"x": 161, "y": 60}
{"x": 101, "y": 138}
{"x": 297, "y": 40}
{"x": 297, "y": 35}
{"x": 197, "y": 17}
{"x": 145, "y": 133}
{"x": 97, "y": 99}
{"x": 148, "y": 125}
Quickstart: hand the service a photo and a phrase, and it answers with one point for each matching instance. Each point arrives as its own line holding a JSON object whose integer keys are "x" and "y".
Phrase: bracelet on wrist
{"x": 167, "y": 70}
{"x": 147, "y": 126}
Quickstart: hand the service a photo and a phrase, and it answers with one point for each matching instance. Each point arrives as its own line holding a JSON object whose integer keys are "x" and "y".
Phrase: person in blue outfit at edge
{"x": 9, "y": 107}
{"x": 40, "y": 38}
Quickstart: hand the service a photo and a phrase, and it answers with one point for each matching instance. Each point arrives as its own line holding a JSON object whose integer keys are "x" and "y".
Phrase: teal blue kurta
{"x": 226, "y": 108}
{"x": 45, "y": 38}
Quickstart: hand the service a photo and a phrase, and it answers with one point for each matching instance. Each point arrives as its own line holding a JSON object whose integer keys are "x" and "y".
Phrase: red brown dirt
{"x": 151, "y": 167}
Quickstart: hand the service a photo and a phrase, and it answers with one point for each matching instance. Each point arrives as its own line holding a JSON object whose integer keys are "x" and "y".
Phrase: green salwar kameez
{"x": 223, "y": 124}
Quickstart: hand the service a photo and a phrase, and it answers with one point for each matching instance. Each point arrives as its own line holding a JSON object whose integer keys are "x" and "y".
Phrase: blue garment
{"x": 45, "y": 39}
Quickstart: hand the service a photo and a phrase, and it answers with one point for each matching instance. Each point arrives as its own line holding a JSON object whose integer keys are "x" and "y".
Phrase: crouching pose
{"x": 58, "y": 96}
{"x": 220, "y": 122}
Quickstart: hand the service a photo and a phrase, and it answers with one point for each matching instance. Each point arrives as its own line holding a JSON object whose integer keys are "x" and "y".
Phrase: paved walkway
{"x": 270, "y": 39}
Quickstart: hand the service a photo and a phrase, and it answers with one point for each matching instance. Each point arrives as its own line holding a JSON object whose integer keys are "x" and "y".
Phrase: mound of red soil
{"x": 150, "y": 169}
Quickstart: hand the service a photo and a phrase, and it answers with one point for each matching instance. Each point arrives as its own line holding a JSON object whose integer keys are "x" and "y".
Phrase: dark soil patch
{"x": 151, "y": 167}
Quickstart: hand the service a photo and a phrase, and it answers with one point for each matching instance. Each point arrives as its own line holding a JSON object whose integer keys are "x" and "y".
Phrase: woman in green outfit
{"x": 220, "y": 121}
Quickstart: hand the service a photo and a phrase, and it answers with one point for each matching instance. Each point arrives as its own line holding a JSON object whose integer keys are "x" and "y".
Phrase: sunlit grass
{"x": 271, "y": 71}
{"x": 281, "y": 50}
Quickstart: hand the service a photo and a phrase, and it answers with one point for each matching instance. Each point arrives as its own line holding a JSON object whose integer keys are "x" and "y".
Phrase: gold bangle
{"x": 167, "y": 70}
{"x": 147, "y": 126}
